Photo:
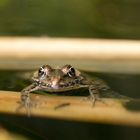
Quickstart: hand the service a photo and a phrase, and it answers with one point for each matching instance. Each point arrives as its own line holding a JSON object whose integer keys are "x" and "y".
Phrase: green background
{"x": 73, "y": 18}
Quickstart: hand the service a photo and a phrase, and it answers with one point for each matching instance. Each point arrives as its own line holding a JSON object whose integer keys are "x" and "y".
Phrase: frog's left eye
{"x": 69, "y": 70}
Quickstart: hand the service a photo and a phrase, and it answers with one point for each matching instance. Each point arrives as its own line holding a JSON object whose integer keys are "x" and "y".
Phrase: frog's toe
{"x": 94, "y": 99}
{"x": 27, "y": 104}
{"x": 90, "y": 98}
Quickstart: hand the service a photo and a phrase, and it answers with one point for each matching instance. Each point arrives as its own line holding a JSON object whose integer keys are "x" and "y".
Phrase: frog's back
{"x": 105, "y": 90}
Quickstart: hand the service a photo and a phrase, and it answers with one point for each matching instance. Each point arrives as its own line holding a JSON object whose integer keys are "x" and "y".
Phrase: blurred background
{"x": 75, "y": 18}
{"x": 29, "y": 32}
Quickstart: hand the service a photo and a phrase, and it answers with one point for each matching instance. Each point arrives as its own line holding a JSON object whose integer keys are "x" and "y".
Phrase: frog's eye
{"x": 41, "y": 71}
{"x": 69, "y": 70}
{"x": 44, "y": 70}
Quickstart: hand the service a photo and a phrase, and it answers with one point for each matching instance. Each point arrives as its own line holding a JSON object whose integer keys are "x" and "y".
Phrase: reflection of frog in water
{"x": 62, "y": 79}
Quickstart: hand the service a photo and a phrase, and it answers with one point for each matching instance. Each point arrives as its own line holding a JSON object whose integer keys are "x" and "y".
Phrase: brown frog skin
{"x": 60, "y": 80}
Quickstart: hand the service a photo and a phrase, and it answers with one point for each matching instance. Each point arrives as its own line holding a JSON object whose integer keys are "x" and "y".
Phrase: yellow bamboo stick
{"x": 111, "y": 111}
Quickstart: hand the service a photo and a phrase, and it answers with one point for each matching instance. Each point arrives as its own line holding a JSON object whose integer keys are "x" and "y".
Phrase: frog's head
{"x": 59, "y": 77}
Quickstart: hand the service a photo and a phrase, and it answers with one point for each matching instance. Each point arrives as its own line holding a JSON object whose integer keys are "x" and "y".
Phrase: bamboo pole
{"x": 50, "y": 48}
{"x": 119, "y": 56}
{"x": 111, "y": 111}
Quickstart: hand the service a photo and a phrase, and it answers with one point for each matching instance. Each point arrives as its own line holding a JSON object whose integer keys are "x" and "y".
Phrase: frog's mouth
{"x": 63, "y": 89}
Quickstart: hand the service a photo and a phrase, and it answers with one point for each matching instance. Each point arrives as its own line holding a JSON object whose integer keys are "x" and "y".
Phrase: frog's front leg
{"x": 25, "y": 98}
{"x": 93, "y": 94}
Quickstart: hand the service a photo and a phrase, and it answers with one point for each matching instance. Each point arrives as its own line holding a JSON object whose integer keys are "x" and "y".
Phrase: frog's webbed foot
{"x": 27, "y": 104}
{"x": 94, "y": 95}
{"x": 25, "y": 101}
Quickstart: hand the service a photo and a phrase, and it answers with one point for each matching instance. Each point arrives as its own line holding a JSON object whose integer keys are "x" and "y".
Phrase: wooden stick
{"x": 50, "y": 48}
{"x": 110, "y": 112}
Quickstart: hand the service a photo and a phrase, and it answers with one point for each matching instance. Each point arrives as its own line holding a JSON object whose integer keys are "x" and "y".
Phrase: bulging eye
{"x": 41, "y": 71}
{"x": 69, "y": 70}
{"x": 44, "y": 70}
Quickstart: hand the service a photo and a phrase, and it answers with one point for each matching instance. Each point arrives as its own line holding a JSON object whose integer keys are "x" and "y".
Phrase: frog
{"x": 61, "y": 79}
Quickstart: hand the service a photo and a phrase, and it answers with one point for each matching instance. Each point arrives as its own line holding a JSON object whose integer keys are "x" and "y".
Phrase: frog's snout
{"x": 55, "y": 82}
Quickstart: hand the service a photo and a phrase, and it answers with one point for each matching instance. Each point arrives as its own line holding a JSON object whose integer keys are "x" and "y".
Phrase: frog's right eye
{"x": 41, "y": 71}
{"x": 44, "y": 70}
